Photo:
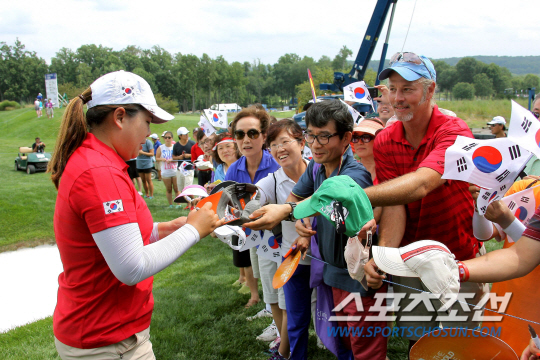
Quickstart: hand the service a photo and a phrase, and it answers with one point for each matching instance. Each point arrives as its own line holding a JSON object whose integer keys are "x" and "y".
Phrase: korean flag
{"x": 523, "y": 205}
{"x": 270, "y": 247}
{"x": 218, "y": 119}
{"x": 357, "y": 92}
{"x": 356, "y": 116}
{"x": 206, "y": 126}
{"x": 487, "y": 196}
{"x": 524, "y": 129}
{"x": 486, "y": 163}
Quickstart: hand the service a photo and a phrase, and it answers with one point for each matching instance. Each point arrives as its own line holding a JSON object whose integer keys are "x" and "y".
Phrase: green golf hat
{"x": 340, "y": 200}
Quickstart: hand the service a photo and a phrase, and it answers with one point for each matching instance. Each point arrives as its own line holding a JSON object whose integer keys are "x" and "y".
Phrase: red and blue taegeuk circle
{"x": 521, "y": 213}
{"x": 359, "y": 93}
{"x": 537, "y": 138}
{"x": 113, "y": 206}
{"x": 215, "y": 117}
{"x": 487, "y": 159}
{"x": 247, "y": 231}
{"x": 492, "y": 196}
{"x": 273, "y": 243}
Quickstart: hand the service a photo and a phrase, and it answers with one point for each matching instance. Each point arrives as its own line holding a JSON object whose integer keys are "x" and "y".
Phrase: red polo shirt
{"x": 94, "y": 308}
{"x": 445, "y": 214}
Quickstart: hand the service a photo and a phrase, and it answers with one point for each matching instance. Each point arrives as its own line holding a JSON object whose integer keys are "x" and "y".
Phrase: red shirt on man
{"x": 445, "y": 214}
{"x": 94, "y": 308}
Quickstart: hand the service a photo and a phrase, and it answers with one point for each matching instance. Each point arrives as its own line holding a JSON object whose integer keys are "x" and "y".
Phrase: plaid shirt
{"x": 445, "y": 214}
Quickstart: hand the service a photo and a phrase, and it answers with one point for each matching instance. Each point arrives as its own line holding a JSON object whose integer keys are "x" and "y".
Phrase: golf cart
{"x": 31, "y": 161}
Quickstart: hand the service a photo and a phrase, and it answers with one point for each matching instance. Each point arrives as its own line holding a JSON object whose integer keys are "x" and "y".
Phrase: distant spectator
{"x": 134, "y": 175}
{"x": 498, "y": 126}
{"x": 536, "y": 106}
{"x": 50, "y": 112}
{"x": 157, "y": 144}
{"x": 384, "y": 108}
{"x": 182, "y": 153}
{"x": 37, "y": 108}
{"x": 39, "y": 97}
{"x": 205, "y": 176}
{"x": 144, "y": 167}
{"x": 168, "y": 167}
{"x": 38, "y": 146}
{"x": 40, "y": 108}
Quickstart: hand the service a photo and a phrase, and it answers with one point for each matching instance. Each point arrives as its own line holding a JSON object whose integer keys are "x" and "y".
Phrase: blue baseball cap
{"x": 411, "y": 71}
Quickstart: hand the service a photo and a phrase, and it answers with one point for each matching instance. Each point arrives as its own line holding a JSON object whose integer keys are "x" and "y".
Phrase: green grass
{"x": 197, "y": 315}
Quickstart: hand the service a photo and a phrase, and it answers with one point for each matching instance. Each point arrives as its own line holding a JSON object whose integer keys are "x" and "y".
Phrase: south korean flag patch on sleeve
{"x": 113, "y": 206}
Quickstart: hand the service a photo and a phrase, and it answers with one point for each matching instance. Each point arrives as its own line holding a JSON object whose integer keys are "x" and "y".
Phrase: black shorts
{"x": 144, "y": 171}
{"x": 132, "y": 170}
{"x": 204, "y": 177}
{"x": 241, "y": 259}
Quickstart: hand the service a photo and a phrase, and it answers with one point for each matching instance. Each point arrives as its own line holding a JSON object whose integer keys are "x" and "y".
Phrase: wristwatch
{"x": 291, "y": 215}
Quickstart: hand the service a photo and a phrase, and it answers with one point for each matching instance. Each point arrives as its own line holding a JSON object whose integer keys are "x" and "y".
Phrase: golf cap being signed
{"x": 429, "y": 260}
{"x": 497, "y": 120}
{"x": 341, "y": 201}
{"x": 235, "y": 203}
{"x": 121, "y": 88}
{"x": 410, "y": 70}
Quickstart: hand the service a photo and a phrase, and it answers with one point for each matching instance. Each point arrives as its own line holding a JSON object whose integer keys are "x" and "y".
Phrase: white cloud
{"x": 243, "y": 30}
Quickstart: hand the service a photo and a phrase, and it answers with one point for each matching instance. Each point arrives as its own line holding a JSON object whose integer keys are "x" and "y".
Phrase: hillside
{"x": 518, "y": 65}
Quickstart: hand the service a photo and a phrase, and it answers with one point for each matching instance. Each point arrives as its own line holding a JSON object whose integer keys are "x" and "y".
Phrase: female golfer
{"x": 109, "y": 246}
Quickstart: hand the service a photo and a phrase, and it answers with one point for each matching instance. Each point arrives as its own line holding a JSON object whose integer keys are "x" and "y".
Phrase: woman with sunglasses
{"x": 362, "y": 139}
{"x": 249, "y": 128}
{"x": 109, "y": 246}
{"x": 168, "y": 167}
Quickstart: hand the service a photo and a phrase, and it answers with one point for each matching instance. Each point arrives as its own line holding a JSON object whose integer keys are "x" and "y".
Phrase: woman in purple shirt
{"x": 249, "y": 129}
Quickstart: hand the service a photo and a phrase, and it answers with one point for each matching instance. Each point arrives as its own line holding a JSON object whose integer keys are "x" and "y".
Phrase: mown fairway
{"x": 198, "y": 315}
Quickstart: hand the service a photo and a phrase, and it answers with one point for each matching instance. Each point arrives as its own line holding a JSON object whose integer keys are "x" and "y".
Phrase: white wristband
{"x": 482, "y": 227}
{"x": 515, "y": 229}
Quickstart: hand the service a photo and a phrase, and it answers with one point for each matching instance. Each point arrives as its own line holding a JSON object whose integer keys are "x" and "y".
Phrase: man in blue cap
{"x": 417, "y": 203}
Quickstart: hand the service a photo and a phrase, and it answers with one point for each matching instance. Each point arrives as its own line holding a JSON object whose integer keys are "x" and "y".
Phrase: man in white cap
{"x": 498, "y": 126}
{"x": 182, "y": 152}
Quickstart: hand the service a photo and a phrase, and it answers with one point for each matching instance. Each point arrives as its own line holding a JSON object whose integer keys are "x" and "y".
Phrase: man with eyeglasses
{"x": 329, "y": 133}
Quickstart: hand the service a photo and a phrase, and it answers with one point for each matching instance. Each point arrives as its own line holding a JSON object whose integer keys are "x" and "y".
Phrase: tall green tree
{"x": 340, "y": 60}
{"x": 463, "y": 91}
{"x": 483, "y": 85}
{"x": 466, "y": 69}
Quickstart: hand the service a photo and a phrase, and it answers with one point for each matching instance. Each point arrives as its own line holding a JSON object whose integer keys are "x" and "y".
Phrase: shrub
{"x": 463, "y": 91}
{"x": 9, "y": 105}
{"x": 167, "y": 104}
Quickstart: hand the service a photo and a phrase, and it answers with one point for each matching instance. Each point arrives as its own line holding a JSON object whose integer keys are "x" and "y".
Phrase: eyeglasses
{"x": 410, "y": 58}
{"x": 167, "y": 137}
{"x": 251, "y": 133}
{"x": 274, "y": 147}
{"x": 321, "y": 139}
{"x": 365, "y": 138}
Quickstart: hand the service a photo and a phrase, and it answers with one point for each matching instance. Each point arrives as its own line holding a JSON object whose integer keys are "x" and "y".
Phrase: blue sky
{"x": 243, "y": 30}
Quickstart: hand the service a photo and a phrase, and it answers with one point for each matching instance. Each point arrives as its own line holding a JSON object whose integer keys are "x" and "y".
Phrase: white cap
{"x": 182, "y": 131}
{"x": 429, "y": 260}
{"x": 154, "y": 136}
{"x": 162, "y": 135}
{"x": 497, "y": 120}
{"x": 356, "y": 256}
{"x": 122, "y": 87}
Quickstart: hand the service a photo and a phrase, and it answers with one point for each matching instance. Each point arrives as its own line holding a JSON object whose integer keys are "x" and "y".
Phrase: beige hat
{"x": 370, "y": 126}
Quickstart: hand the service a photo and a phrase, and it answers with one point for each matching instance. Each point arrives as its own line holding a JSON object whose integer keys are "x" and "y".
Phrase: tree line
{"x": 187, "y": 82}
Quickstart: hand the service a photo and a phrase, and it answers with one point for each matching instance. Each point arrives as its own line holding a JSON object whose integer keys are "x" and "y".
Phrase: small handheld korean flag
{"x": 356, "y": 116}
{"x": 253, "y": 238}
{"x": 357, "y": 92}
{"x": 487, "y": 196}
{"x": 218, "y": 119}
{"x": 185, "y": 168}
{"x": 524, "y": 129}
{"x": 206, "y": 126}
{"x": 270, "y": 247}
{"x": 486, "y": 163}
{"x": 523, "y": 205}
